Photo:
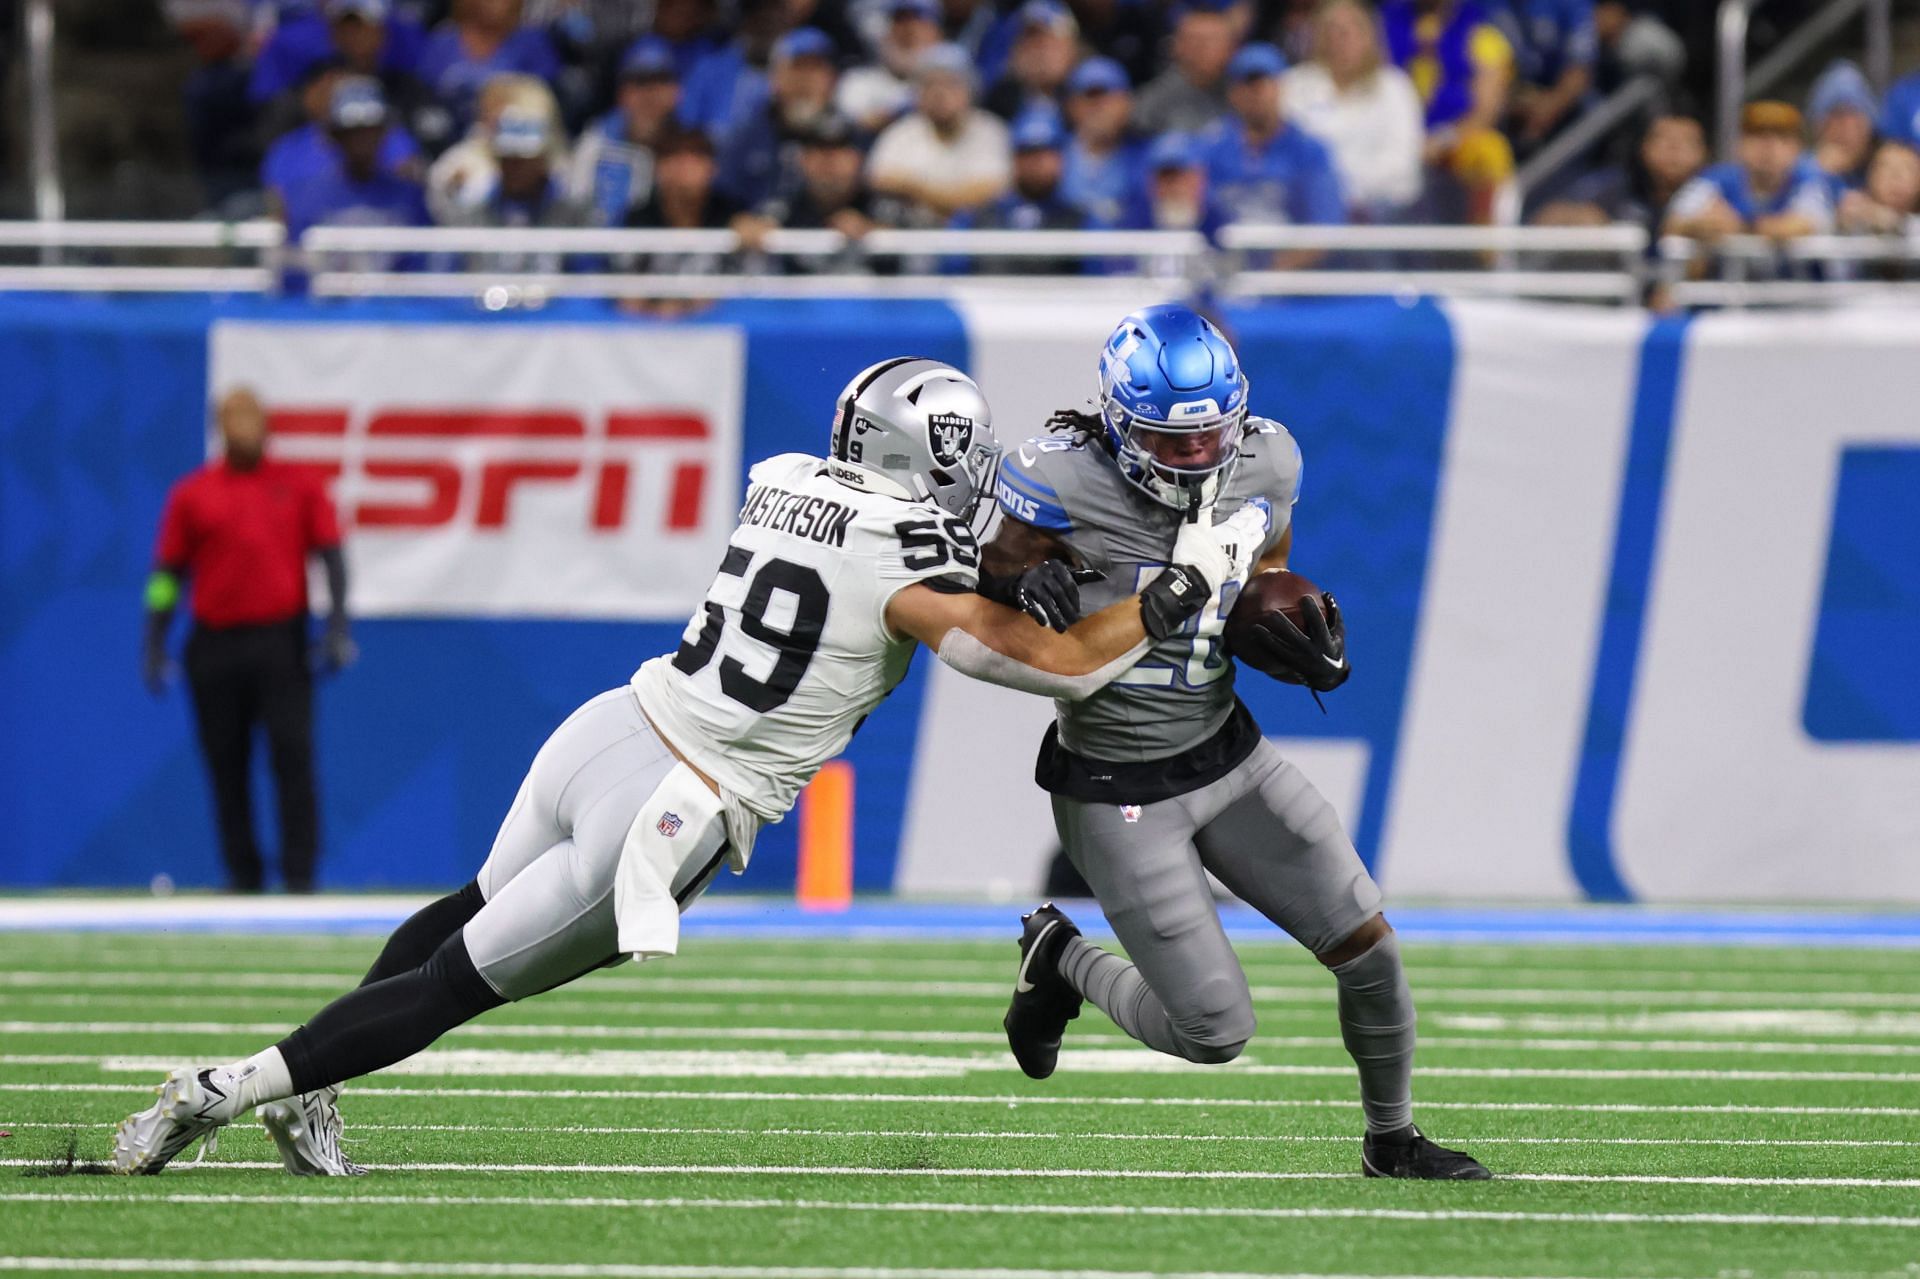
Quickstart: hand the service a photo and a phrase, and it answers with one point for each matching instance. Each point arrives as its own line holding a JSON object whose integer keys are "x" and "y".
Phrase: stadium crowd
{"x": 855, "y": 114}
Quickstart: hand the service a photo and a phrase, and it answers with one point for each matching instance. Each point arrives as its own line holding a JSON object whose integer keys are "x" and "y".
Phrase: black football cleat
{"x": 1416, "y": 1159}
{"x": 1043, "y": 1001}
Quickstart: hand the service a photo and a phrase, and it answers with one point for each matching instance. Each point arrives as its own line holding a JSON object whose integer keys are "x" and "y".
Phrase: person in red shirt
{"x": 240, "y": 531}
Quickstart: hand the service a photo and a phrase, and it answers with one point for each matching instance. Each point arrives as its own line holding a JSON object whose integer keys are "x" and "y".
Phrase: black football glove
{"x": 1171, "y": 599}
{"x": 1049, "y": 592}
{"x": 1314, "y": 655}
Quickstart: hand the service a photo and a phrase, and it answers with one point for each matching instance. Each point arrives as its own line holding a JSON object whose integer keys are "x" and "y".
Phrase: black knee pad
{"x": 451, "y": 968}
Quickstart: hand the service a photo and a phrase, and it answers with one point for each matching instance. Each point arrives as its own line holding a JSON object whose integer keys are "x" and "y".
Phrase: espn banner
{"x": 525, "y": 471}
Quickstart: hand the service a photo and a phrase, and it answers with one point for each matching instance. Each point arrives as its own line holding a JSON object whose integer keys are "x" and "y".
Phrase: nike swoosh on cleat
{"x": 1021, "y": 985}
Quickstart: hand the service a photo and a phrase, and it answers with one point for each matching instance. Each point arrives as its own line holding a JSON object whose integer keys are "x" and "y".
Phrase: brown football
{"x": 1264, "y": 594}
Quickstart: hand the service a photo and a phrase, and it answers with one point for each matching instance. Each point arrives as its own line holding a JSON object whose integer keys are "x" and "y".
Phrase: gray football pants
{"x": 1277, "y": 844}
{"x": 549, "y": 879}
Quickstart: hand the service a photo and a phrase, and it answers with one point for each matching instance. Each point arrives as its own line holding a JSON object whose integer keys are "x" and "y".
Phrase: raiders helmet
{"x": 916, "y": 429}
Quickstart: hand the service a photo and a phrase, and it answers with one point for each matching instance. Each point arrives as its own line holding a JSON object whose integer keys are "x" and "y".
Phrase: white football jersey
{"x": 792, "y": 650}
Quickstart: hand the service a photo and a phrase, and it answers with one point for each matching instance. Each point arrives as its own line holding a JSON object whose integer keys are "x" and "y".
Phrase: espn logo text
{"x": 419, "y": 468}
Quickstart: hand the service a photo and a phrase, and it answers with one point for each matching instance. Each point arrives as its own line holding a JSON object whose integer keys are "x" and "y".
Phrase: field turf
{"x": 778, "y": 1109}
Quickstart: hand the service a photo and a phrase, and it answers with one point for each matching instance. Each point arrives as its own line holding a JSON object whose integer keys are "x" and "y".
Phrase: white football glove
{"x": 1199, "y": 547}
{"x": 1223, "y": 552}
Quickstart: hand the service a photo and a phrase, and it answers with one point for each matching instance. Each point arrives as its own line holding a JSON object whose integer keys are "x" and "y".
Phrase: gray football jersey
{"x": 1181, "y": 692}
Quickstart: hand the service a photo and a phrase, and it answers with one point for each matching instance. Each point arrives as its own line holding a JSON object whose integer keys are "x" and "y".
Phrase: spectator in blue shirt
{"x": 1044, "y": 51}
{"x": 689, "y": 28}
{"x": 1773, "y": 189}
{"x": 482, "y": 39}
{"x": 1842, "y": 111}
{"x": 359, "y": 192}
{"x": 613, "y": 165}
{"x": 1262, "y": 168}
{"x": 309, "y": 151}
{"x": 1035, "y": 202}
{"x": 761, "y": 153}
{"x": 1173, "y": 194}
{"x": 1900, "y": 116}
{"x": 1102, "y": 159}
{"x": 360, "y": 34}
{"x": 1555, "y": 49}
{"x": 729, "y": 84}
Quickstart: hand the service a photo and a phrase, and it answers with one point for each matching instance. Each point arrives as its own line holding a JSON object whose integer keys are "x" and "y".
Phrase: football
{"x": 1263, "y": 595}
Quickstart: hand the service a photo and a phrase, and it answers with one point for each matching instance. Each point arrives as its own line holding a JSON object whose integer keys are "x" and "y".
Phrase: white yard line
{"x": 775, "y": 1064}
{"x": 1013, "y": 1101}
{"x": 995, "y": 990}
{"x": 1004, "y": 1134}
{"x": 996, "y": 1209}
{"x": 615, "y": 1270}
{"x": 273, "y": 954}
{"x": 1041, "y": 1174}
{"x": 824, "y": 1034}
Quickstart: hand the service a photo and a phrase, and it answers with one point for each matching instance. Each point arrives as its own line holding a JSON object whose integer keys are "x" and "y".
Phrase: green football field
{"x": 846, "y": 1109}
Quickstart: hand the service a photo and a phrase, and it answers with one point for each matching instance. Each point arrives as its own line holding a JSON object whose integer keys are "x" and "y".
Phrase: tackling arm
{"x": 995, "y": 643}
{"x": 991, "y": 642}
{"x": 1030, "y": 569}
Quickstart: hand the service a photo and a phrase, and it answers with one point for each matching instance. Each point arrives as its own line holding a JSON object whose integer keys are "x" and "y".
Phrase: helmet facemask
{"x": 960, "y": 490}
{"x": 1173, "y": 462}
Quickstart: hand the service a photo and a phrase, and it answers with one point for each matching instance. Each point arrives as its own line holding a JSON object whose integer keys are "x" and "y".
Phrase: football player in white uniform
{"x": 838, "y": 568}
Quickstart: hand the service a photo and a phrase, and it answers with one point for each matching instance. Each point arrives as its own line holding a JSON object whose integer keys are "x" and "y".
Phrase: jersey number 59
{"x": 795, "y": 646}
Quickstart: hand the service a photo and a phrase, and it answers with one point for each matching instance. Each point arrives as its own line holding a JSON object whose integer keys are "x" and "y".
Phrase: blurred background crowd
{"x": 850, "y": 114}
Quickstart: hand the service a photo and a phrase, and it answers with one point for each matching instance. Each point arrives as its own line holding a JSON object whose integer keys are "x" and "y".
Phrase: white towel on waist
{"x": 677, "y": 834}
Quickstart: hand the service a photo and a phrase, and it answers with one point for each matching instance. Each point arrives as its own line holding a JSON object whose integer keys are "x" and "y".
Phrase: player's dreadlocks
{"x": 1084, "y": 427}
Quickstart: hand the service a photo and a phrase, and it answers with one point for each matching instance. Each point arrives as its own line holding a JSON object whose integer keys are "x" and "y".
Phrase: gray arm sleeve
{"x": 972, "y": 658}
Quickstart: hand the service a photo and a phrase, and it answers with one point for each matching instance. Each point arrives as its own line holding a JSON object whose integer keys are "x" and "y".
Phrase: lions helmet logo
{"x": 951, "y": 436}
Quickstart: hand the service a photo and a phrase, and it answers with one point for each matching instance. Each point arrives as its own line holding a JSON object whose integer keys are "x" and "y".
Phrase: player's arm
{"x": 1276, "y": 559}
{"x": 992, "y": 642}
{"x": 1030, "y": 569}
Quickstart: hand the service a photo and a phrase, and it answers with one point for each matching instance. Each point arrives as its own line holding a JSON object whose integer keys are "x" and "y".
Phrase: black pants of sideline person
{"x": 244, "y": 678}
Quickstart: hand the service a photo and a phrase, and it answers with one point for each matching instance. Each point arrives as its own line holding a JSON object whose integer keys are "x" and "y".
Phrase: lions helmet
{"x": 1173, "y": 402}
{"x": 915, "y": 429}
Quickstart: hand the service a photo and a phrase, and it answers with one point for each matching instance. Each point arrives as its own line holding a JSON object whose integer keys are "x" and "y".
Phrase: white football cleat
{"x": 191, "y": 1106}
{"x": 307, "y": 1131}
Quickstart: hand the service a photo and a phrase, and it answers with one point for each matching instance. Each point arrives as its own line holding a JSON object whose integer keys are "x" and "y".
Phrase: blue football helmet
{"x": 1174, "y": 403}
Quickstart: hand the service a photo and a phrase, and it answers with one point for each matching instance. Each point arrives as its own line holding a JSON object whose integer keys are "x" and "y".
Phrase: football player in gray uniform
{"x": 1163, "y": 776}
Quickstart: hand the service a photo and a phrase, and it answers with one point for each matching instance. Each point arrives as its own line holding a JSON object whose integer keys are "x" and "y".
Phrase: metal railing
{"x": 1736, "y": 83}
{"x": 49, "y": 201}
{"x": 141, "y": 257}
{"x": 1357, "y": 260}
{"x": 502, "y": 269}
{"x": 1817, "y": 270}
{"x": 1592, "y": 128}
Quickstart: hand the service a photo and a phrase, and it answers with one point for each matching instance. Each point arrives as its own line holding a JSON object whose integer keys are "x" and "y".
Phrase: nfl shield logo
{"x": 1129, "y": 813}
{"x": 669, "y": 824}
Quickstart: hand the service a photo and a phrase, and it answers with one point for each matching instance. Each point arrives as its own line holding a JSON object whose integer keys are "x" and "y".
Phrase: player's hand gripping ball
{"x": 1286, "y": 627}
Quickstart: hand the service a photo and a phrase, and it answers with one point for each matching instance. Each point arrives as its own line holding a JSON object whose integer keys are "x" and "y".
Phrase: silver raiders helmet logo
{"x": 951, "y": 436}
